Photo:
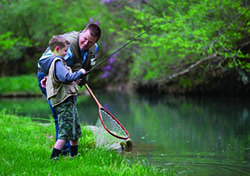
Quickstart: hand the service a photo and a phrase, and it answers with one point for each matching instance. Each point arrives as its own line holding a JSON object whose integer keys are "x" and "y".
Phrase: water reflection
{"x": 195, "y": 135}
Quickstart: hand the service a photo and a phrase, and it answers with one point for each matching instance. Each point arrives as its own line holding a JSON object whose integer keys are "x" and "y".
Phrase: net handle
{"x": 93, "y": 96}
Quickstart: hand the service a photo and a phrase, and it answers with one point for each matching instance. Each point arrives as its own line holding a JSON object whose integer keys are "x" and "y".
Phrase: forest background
{"x": 194, "y": 47}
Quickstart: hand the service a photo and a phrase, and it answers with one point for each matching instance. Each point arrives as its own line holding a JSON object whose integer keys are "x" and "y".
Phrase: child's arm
{"x": 64, "y": 75}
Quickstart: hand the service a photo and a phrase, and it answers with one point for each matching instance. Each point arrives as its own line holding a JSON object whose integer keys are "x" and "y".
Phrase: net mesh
{"x": 112, "y": 125}
{"x": 103, "y": 138}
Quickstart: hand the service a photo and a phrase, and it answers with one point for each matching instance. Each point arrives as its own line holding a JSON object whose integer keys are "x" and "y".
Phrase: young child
{"x": 62, "y": 90}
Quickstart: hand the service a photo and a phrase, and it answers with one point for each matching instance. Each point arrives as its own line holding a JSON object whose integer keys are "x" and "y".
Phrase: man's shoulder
{"x": 71, "y": 35}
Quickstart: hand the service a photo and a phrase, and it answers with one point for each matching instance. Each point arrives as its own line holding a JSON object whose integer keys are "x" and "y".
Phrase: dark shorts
{"x": 68, "y": 120}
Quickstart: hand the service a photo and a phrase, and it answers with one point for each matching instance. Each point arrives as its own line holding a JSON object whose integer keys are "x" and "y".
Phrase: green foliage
{"x": 185, "y": 32}
{"x": 11, "y": 46}
{"x": 27, "y": 21}
{"x": 27, "y": 26}
{"x": 6, "y": 42}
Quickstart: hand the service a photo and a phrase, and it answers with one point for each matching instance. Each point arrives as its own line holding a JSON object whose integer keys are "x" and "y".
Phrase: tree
{"x": 27, "y": 26}
{"x": 194, "y": 37}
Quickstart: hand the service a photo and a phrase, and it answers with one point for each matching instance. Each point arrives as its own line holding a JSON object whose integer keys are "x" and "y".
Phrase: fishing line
{"x": 123, "y": 46}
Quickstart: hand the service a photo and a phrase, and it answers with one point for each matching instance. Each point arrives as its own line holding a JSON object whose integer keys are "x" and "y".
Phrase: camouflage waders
{"x": 69, "y": 121}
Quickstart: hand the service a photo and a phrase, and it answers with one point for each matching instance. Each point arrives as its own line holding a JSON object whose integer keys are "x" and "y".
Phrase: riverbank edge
{"x": 23, "y": 95}
{"x": 27, "y": 145}
{"x": 26, "y": 86}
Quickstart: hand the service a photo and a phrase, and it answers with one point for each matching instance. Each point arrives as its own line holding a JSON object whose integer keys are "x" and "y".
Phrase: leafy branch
{"x": 191, "y": 67}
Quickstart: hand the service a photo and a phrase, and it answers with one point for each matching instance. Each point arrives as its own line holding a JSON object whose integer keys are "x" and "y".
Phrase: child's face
{"x": 63, "y": 51}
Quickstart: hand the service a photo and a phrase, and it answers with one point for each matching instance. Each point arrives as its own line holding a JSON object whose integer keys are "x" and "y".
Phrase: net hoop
{"x": 117, "y": 121}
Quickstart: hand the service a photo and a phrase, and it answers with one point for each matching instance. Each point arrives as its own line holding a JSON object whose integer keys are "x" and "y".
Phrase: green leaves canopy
{"x": 27, "y": 26}
{"x": 186, "y": 32}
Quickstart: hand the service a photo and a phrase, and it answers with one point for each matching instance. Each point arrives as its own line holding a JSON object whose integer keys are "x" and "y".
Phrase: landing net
{"x": 112, "y": 125}
{"x": 103, "y": 138}
{"x": 109, "y": 133}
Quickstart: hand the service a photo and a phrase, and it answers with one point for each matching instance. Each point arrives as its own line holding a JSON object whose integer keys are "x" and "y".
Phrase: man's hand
{"x": 43, "y": 82}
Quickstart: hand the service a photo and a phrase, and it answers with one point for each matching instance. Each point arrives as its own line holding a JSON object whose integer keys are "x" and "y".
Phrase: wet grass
{"x": 26, "y": 147}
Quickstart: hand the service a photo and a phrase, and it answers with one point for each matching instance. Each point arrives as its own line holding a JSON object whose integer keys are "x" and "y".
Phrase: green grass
{"x": 26, "y": 147}
{"x": 19, "y": 84}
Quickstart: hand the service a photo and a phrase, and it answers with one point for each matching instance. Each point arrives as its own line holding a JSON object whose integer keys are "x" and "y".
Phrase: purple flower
{"x": 108, "y": 67}
{"x": 112, "y": 59}
{"x": 104, "y": 75}
{"x": 91, "y": 19}
{"x": 105, "y": 1}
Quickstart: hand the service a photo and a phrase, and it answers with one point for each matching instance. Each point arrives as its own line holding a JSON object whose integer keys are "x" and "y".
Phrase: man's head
{"x": 89, "y": 36}
{"x": 59, "y": 45}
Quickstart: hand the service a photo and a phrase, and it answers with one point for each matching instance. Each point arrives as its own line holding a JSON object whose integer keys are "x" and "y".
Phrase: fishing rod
{"x": 116, "y": 51}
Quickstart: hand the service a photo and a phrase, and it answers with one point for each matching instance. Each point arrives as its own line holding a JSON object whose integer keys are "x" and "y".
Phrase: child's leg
{"x": 59, "y": 144}
{"x": 78, "y": 132}
{"x": 73, "y": 147}
{"x": 57, "y": 149}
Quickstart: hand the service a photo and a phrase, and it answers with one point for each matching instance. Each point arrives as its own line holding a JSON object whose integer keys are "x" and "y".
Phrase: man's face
{"x": 86, "y": 40}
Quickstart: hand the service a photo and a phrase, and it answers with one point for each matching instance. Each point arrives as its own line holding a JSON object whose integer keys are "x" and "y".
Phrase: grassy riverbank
{"x": 26, "y": 147}
{"x": 19, "y": 85}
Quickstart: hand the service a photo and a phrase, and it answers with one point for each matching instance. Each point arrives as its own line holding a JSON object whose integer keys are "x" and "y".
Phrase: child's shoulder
{"x": 45, "y": 63}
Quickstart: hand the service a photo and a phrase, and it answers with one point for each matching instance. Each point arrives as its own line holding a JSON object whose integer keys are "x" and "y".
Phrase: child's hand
{"x": 43, "y": 82}
{"x": 81, "y": 81}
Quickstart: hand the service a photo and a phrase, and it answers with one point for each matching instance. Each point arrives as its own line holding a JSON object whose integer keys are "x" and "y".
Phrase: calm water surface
{"x": 207, "y": 136}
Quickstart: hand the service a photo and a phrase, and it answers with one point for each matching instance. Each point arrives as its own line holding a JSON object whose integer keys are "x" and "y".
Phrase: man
{"x": 82, "y": 47}
{"x": 80, "y": 54}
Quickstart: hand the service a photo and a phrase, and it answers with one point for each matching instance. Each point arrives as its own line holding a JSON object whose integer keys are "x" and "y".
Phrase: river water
{"x": 207, "y": 136}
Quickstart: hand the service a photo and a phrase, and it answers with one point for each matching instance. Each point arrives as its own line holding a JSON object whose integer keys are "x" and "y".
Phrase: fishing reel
{"x": 92, "y": 58}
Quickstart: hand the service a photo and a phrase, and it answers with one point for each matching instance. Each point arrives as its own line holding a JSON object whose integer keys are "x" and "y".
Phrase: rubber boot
{"x": 73, "y": 150}
{"x": 55, "y": 154}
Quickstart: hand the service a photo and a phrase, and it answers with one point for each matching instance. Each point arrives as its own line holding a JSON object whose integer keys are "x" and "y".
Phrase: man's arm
{"x": 69, "y": 57}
